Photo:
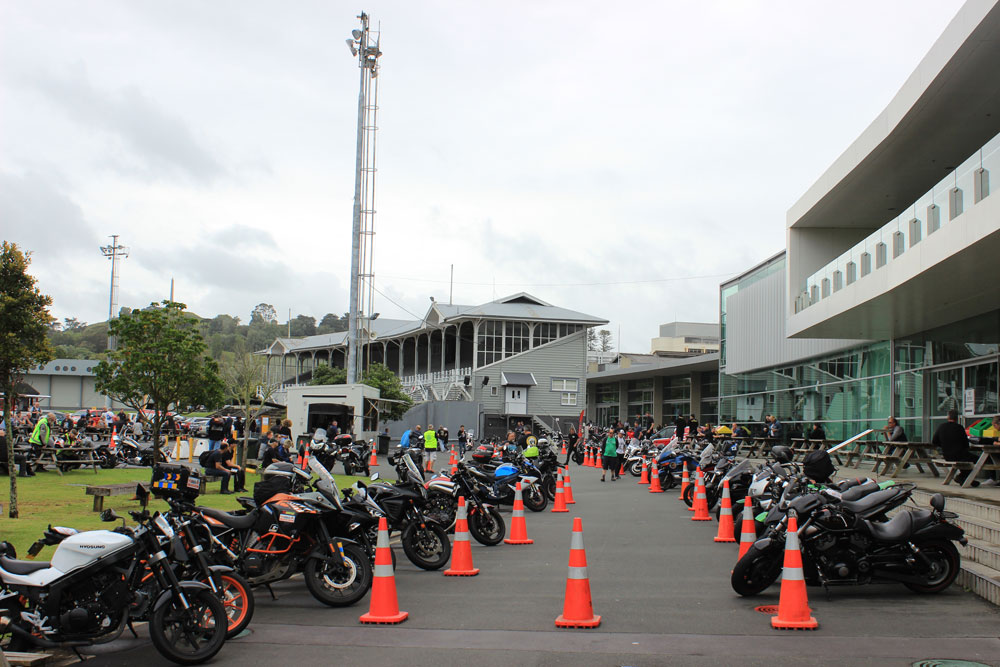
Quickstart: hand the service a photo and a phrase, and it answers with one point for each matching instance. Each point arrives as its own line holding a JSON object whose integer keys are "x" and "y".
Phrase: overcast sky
{"x": 620, "y": 160}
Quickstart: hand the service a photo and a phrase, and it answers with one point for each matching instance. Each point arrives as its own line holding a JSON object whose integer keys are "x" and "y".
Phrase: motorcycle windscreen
{"x": 326, "y": 481}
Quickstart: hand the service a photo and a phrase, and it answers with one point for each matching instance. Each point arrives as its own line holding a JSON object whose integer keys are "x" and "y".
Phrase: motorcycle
{"x": 486, "y": 524}
{"x": 405, "y": 506}
{"x": 355, "y": 455}
{"x": 99, "y": 581}
{"x": 321, "y": 449}
{"x": 852, "y": 542}
{"x": 136, "y": 453}
{"x": 500, "y": 482}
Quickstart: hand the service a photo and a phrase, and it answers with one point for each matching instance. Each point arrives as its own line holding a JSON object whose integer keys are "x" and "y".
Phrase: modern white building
{"x": 684, "y": 339}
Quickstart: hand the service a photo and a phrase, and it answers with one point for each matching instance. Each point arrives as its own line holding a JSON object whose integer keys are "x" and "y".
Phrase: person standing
{"x": 431, "y": 444}
{"x": 463, "y": 438}
{"x": 442, "y": 437}
{"x": 216, "y": 433}
{"x": 610, "y": 456}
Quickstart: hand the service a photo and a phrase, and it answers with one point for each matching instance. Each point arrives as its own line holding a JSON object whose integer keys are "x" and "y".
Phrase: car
{"x": 198, "y": 427}
{"x": 663, "y": 436}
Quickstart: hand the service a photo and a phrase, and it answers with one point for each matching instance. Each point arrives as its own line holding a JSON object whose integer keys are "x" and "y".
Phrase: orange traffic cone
{"x": 384, "y": 606}
{"x": 694, "y": 486}
{"x": 560, "y": 503}
{"x": 578, "y": 608}
{"x": 748, "y": 530}
{"x": 454, "y": 459}
{"x": 373, "y": 461}
{"x": 726, "y": 526}
{"x": 568, "y": 487}
{"x": 644, "y": 477}
{"x": 427, "y": 466}
{"x": 563, "y": 452}
{"x": 461, "y": 553}
{"x": 518, "y": 527}
{"x": 700, "y": 500}
{"x": 793, "y": 605}
{"x": 586, "y": 457}
{"x": 599, "y": 460}
{"x": 654, "y": 480}
{"x": 685, "y": 481}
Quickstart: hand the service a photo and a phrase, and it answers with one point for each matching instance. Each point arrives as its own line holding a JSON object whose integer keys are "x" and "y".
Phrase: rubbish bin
{"x": 383, "y": 444}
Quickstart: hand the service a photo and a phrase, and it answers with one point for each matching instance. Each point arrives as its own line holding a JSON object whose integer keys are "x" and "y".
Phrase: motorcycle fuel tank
{"x": 79, "y": 550}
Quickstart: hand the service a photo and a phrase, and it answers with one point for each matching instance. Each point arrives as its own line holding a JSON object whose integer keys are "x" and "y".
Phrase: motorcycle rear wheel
{"x": 487, "y": 527}
{"x": 238, "y": 601}
{"x": 428, "y": 548}
{"x": 337, "y": 585}
{"x": 635, "y": 468}
{"x": 577, "y": 457}
{"x": 549, "y": 485}
{"x": 172, "y": 627}
{"x": 688, "y": 496}
{"x": 946, "y": 561}
{"x": 757, "y": 570}
{"x": 535, "y": 499}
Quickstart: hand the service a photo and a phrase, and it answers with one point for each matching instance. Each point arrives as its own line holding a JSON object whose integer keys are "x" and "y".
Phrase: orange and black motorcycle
{"x": 285, "y": 535}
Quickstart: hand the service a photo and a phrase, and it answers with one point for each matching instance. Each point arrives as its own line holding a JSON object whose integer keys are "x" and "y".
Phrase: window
{"x": 515, "y": 338}
{"x": 545, "y": 333}
{"x": 565, "y": 384}
{"x": 494, "y": 391}
{"x": 568, "y": 398}
{"x": 607, "y": 393}
{"x": 490, "y": 342}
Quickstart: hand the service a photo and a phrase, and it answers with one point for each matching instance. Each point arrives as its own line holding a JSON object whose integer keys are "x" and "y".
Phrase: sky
{"x": 619, "y": 162}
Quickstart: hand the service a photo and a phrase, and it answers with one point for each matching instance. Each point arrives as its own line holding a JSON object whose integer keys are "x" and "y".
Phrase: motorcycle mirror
{"x": 375, "y": 476}
{"x": 109, "y": 515}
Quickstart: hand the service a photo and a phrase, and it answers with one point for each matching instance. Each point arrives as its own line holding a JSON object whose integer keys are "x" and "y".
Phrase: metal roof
{"x": 517, "y": 379}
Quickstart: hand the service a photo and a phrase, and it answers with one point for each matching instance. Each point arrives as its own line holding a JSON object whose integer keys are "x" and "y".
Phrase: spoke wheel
{"x": 191, "y": 635}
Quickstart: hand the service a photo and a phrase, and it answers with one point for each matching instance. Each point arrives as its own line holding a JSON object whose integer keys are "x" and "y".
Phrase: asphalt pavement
{"x": 658, "y": 580}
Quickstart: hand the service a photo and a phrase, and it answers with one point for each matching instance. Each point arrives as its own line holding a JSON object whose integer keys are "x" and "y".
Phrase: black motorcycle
{"x": 353, "y": 454}
{"x": 486, "y": 524}
{"x": 852, "y": 543}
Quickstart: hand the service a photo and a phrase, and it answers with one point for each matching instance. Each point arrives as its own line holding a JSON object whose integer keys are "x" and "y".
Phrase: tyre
{"x": 237, "y": 600}
{"x": 487, "y": 526}
{"x": 635, "y": 468}
{"x": 945, "y": 564}
{"x": 577, "y": 457}
{"x": 667, "y": 480}
{"x": 535, "y": 499}
{"x": 348, "y": 468}
{"x": 107, "y": 462}
{"x": 688, "y": 495}
{"x": 337, "y": 584}
{"x": 758, "y": 569}
{"x": 193, "y": 635}
{"x": 427, "y": 547}
{"x": 549, "y": 486}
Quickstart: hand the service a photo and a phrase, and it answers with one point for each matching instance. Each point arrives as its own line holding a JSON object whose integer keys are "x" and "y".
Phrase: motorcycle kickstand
{"x": 79, "y": 657}
{"x": 826, "y": 589}
{"x": 132, "y": 629}
{"x": 271, "y": 591}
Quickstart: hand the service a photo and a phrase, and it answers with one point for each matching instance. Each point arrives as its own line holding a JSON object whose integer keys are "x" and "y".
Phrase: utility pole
{"x": 113, "y": 252}
{"x": 366, "y": 47}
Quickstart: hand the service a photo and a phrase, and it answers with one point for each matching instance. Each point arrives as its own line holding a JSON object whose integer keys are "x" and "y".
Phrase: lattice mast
{"x": 364, "y": 44}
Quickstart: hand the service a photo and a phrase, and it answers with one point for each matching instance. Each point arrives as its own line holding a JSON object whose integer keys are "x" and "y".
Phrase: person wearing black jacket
{"x": 817, "y": 432}
{"x": 216, "y": 432}
{"x": 954, "y": 444}
{"x": 220, "y": 464}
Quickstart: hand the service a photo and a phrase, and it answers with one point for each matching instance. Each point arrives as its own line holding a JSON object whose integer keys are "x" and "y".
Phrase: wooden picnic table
{"x": 50, "y": 455}
{"x": 989, "y": 459}
{"x": 900, "y": 455}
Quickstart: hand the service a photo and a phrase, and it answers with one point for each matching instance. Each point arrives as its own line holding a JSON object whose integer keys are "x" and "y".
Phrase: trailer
{"x": 353, "y": 406}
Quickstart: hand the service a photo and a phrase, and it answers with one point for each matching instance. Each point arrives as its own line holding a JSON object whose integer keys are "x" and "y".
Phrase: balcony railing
{"x": 944, "y": 204}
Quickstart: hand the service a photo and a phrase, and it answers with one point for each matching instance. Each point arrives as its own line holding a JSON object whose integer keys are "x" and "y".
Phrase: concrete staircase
{"x": 981, "y": 558}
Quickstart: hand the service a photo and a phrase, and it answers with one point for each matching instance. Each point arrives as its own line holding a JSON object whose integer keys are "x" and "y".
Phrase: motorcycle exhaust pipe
{"x": 898, "y": 576}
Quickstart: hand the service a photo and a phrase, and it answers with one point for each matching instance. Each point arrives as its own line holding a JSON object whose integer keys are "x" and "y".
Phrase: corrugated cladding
{"x": 563, "y": 358}
{"x": 755, "y": 330}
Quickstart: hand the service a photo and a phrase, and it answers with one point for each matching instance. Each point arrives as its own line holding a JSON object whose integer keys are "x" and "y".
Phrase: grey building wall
{"x": 563, "y": 358}
{"x": 451, "y": 414}
{"x": 755, "y": 329}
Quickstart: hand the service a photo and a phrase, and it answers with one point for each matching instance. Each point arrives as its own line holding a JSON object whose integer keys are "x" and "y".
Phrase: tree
{"x": 303, "y": 325}
{"x": 160, "y": 362}
{"x": 73, "y": 324}
{"x": 606, "y": 343}
{"x": 24, "y": 323}
{"x": 263, "y": 313}
{"x": 332, "y": 323}
{"x": 246, "y": 382}
{"x": 591, "y": 340}
{"x": 328, "y": 375}
{"x": 379, "y": 376}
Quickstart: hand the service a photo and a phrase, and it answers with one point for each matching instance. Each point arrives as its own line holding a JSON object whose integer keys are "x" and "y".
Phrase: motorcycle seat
{"x": 22, "y": 567}
{"x": 899, "y": 527}
{"x": 857, "y": 492}
{"x": 870, "y": 501}
{"x": 237, "y": 521}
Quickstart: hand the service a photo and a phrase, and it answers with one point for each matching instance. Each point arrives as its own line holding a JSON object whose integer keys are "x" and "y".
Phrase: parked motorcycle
{"x": 353, "y": 454}
{"x": 486, "y": 524}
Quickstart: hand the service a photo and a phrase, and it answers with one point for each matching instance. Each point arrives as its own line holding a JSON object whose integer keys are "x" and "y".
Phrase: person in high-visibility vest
{"x": 43, "y": 431}
{"x": 431, "y": 444}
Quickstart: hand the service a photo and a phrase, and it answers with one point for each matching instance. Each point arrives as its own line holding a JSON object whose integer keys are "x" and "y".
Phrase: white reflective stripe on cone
{"x": 793, "y": 542}
{"x": 576, "y": 541}
{"x": 383, "y": 570}
{"x": 792, "y": 574}
{"x": 462, "y": 513}
{"x": 517, "y": 513}
{"x": 383, "y": 540}
{"x": 461, "y": 537}
{"x": 577, "y": 572}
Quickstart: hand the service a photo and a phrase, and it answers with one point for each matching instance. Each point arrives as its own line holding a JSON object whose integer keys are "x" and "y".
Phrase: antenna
{"x": 113, "y": 252}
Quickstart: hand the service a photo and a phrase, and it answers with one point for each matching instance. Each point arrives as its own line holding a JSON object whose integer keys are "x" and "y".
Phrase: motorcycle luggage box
{"x": 482, "y": 454}
{"x": 175, "y": 481}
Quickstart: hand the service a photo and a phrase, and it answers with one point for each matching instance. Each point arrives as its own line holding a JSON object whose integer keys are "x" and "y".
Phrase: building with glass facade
{"x": 885, "y": 301}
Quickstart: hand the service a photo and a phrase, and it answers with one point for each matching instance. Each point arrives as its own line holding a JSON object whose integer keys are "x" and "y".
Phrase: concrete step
{"x": 982, "y": 553}
{"x": 980, "y": 529}
{"x": 963, "y": 506}
{"x": 981, "y": 580}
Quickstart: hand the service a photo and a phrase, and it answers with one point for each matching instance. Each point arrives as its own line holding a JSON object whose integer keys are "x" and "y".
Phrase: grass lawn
{"x": 48, "y": 498}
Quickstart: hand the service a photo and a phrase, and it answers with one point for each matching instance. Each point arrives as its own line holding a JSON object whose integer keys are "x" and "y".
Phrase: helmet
{"x": 280, "y": 469}
{"x": 530, "y": 452}
{"x": 818, "y": 466}
{"x": 543, "y": 442}
{"x": 781, "y": 454}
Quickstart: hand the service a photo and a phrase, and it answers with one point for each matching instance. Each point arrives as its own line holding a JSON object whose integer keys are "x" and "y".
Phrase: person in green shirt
{"x": 431, "y": 444}
{"x": 610, "y": 456}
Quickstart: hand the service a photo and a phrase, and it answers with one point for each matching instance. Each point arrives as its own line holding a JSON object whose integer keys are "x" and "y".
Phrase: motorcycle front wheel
{"x": 688, "y": 496}
{"x": 549, "y": 485}
{"x": 758, "y": 569}
{"x": 945, "y": 564}
{"x": 535, "y": 499}
{"x": 487, "y": 526}
{"x": 193, "y": 635}
{"x": 635, "y": 468}
{"x": 427, "y": 547}
{"x": 578, "y": 457}
{"x": 337, "y": 584}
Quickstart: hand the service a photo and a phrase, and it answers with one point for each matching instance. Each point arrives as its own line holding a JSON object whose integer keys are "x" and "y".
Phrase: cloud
{"x": 41, "y": 218}
{"x": 159, "y": 144}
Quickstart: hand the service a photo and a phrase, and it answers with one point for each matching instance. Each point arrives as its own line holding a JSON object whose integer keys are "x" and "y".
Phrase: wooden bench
{"x": 953, "y": 467}
{"x": 17, "y": 659}
{"x": 100, "y": 492}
